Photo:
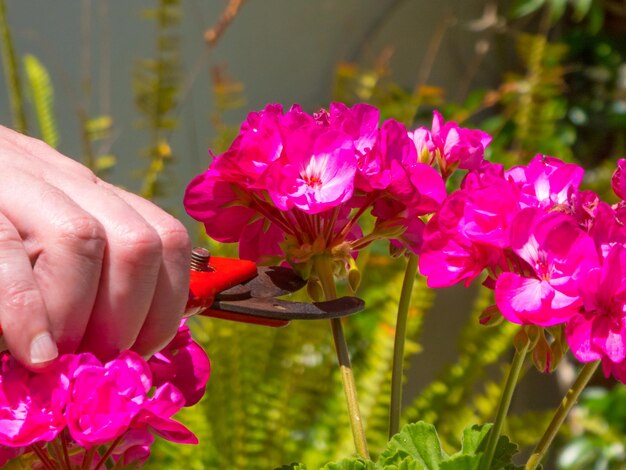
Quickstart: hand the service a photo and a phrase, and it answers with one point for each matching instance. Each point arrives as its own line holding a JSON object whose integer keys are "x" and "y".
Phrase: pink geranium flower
{"x": 457, "y": 146}
{"x": 95, "y": 405}
{"x": 156, "y": 415}
{"x": 31, "y": 404}
{"x": 554, "y": 254}
{"x": 104, "y": 399}
{"x": 546, "y": 181}
{"x": 359, "y": 122}
{"x": 134, "y": 448}
{"x": 316, "y": 173}
{"x": 599, "y": 330}
{"x": 448, "y": 255}
{"x": 184, "y": 364}
{"x": 306, "y": 194}
{"x": 210, "y": 198}
{"x": 618, "y": 182}
{"x": 491, "y": 204}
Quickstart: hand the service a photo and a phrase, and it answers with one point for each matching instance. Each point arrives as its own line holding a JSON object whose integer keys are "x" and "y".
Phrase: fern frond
{"x": 156, "y": 83}
{"x": 375, "y": 385}
{"x": 11, "y": 73}
{"x": 42, "y": 96}
{"x": 445, "y": 400}
{"x": 538, "y": 104}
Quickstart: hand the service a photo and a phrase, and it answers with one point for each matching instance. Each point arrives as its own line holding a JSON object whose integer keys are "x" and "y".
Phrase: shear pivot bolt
{"x": 200, "y": 259}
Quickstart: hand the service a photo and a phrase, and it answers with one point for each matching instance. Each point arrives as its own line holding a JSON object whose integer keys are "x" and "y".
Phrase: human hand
{"x": 84, "y": 265}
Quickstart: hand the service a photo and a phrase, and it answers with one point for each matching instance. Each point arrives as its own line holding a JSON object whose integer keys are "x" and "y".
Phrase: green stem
{"x": 43, "y": 457}
{"x": 395, "y": 407}
{"x": 324, "y": 269}
{"x": 66, "y": 455}
{"x": 503, "y": 406}
{"x": 569, "y": 400}
{"x": 11, "y": 73}
{"x": 109, "y": 452}
{"x": 88, "y": 458}
{"x": 57, "y": 453}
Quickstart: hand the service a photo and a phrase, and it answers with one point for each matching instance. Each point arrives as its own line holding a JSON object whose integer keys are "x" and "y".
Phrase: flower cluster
{"x": 293, "y": 184}
{"x": 555, "y": 254}
{"x": 82, "y": 412}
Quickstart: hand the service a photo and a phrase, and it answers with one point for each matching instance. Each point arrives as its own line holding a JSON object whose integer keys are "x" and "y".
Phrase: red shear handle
{"x": 225, "y": 273}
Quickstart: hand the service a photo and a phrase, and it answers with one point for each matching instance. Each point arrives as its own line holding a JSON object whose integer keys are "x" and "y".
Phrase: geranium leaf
{"x": 352, "y": 464}
{"x": 474, "y": 442}
{"x": 473, "y": 437}
{"x": 462, "y": 462}
{"x": 419, "y": 442}
{"x": 292, "y": 466}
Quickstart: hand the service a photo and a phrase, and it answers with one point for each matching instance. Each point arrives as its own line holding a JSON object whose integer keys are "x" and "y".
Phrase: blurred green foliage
{"x": 597, "y": 435}
{"x": 275, "y": 396}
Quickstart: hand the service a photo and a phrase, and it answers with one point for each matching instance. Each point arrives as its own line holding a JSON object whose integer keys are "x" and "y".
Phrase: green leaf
{"x": 418, "y": 441}
{"x": 351, "y": 464}
{"x": 475, "y": 440}
{"x": 462, "y": 462}
{"x": 505, "y": 450}
{"x": 557, "y": 9}
{"x": 596, "y": 18}
{"x": 521, "y": 8}
{"x": 292, "y": 466}
{"x": 581, "y": 8}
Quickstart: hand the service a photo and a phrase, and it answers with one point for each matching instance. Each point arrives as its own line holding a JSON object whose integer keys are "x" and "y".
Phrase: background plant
{"x": 562, "y": 94}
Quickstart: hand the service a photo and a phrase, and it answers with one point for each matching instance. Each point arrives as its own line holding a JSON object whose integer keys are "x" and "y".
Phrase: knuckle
{"x": 21, "y": 295}
{"x": 174, "y": 235}
{"x": 82, "y": 171}
{"x": 139, "y": 243}
{"x": 82, "y": 232}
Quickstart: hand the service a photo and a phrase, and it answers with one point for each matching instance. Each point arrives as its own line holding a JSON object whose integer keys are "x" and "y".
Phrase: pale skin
{"x": 84, "y": 265}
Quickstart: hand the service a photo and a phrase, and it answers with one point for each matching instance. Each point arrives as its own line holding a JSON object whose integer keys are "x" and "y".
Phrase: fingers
{"x": 23, "y": 314}
{"x": 131, "y": 265}
{"x": 172, "y": 288}
{"x": 66, "y": 245}
{"x": 104, "y": 270}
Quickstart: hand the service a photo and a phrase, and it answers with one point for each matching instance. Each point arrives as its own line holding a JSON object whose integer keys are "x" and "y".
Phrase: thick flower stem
{"x": 323, "y": 267}
{"x": 569, "y": 400}
{"x": 398, "y": 345}
{"x": 505, "y": 403}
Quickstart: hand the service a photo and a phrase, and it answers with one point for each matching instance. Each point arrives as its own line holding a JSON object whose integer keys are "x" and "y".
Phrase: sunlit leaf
{"x": 521, "y": 8}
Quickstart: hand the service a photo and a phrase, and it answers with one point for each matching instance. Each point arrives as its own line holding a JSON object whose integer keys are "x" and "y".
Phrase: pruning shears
{"x": 239, "y": 290}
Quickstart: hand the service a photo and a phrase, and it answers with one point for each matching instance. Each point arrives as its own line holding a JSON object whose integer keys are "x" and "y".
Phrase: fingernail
{"x": 43, "y": 349}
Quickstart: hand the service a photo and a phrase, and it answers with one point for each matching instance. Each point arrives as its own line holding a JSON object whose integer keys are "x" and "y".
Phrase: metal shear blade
{"x": 258, "y": 297}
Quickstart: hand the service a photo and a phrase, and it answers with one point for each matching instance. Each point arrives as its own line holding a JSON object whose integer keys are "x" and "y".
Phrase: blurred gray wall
{"x": 281, "y": 50}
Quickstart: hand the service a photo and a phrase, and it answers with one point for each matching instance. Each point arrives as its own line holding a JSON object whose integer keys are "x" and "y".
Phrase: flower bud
{"x": 521, "y": 339}
{"x": 354, "y": 276}
{"x": 314, "y": 289}
{"x": 391, "y": 228}
{"x": 535, "y": 334}
{"x": 542, "y": 355}
{"x": 491, "y": 316}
